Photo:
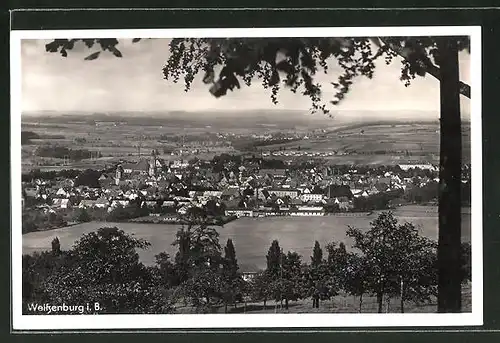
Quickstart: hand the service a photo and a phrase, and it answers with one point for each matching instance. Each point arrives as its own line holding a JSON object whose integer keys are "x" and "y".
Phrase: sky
{"x": 135, "y": 82}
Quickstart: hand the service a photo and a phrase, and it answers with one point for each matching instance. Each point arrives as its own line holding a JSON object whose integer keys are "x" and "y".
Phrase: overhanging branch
{"x": 429, "y": 68}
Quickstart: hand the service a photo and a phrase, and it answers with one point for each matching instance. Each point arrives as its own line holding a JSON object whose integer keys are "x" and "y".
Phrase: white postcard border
{"x": 215, "y": 321}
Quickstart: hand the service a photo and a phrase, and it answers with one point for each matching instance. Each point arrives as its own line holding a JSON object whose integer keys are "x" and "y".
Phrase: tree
{"x": 89, "y": 178}
{"x": 104, "y": 267}
{"x": 317, "y": 257}
{"x": 337, "y": 262}
{"x": 449, "y": 290}
{"x": 274, "y": 270}
{"x": 198, "y": 262}
{"x": 121, "y": 214}
{"x": 318, "y": 279}
{"x": 37, "y": 267}
{"x": 289, "y": 283}
{"x": 396, "y": 255}
{"x": 260, "y": 289}
{"x": 36, "y": 220}
{"x": 273, "y": 258}
{"x": 357, "y": 281}
{"x": 56, "y": 246}
{"x": 82, "y": 216}
{"x": 415, "y": 276}
{"x": 202, "y": 288}
{"x": 294, "y": 62}
{"x": 233, "y": 283}
{"x": 55, "y": 220}
{"x": 166, "y": 269}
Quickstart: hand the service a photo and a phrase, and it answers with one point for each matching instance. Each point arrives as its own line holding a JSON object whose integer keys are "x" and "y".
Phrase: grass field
{"x": 341, "y": 303}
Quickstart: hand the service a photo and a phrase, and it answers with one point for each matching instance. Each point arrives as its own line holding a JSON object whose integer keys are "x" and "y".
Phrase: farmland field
{"x": 378, "y": 142}
{"x": 252, "y": 236}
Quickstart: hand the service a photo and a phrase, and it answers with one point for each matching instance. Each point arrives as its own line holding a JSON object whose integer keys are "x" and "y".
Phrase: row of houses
{"x": 301, "y": 211}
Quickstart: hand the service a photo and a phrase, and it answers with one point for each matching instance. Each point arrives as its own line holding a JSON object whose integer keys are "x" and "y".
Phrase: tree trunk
{"x": 225, "y": 307}
{"x": 361, "y": 303}
{"x": 265, "y": 303}
{"x": 315, "y": 301}
{"x": 449, "y": 280}
{"x": 380, "y": 301}
{"x": 401, "y": 294}
{"x": 286, "y": 303}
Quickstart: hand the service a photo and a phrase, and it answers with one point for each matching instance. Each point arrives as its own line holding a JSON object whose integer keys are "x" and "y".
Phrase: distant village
{"x": 231, "y": 186}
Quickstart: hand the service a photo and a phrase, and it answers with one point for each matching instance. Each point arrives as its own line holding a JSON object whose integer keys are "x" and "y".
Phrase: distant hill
{"x": 247, "y": 116}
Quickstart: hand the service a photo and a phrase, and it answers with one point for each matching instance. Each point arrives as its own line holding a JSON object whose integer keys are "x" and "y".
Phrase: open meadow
{"x": 341, "y": 303}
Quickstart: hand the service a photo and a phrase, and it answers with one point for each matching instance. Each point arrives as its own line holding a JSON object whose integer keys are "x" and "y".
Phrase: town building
{"x": 284, "y": 192}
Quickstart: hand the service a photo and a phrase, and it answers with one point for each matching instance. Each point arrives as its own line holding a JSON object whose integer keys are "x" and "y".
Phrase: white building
{"x": 406, "y": 167}
{"x": 308, "y": 211}
{"x": 317, "y": 197}
{"x": 212, "y": 194}
{"x": 292, "y": 193}
{"x": 239, "y": 212}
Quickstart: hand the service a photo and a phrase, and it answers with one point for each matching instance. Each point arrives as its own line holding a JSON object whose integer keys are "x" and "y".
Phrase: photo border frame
{"x": 370, "y": 330}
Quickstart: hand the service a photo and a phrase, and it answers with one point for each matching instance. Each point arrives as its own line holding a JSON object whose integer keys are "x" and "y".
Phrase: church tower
{"x": 152, "y": 164}
{"x": 118, "y": 174}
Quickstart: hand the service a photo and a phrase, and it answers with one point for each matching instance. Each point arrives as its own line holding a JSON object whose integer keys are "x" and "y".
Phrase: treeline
{"x": 229, "y": 162}
{"x": 36, "y": 220}
{"x": 39, "y": 221}
{"x": 429, "y": 193}
{"x": 27, "y": 136}
{"x": 424, "y": 194}
{"x": 88, "y": 178}
{"x": 137, "y": 209}
{"x": 63, "y": 152}
{"x": 379, "y": 201}
{"x": 50, "y": 175}
{"x": 90, "y": 175}
{"x": 104, "y": 267}
{"x": 119, "y": 214}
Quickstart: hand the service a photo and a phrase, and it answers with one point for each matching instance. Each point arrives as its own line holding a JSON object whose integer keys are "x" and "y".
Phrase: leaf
{"x": 284, "y": 66}
{"x": 135, "y": 40}
{"x": 116, "y": 52}
{"x": 51, "y": 47}
{"x": 92, "y": 56}
{"x": 209, "y": 77}
{"x": 89, "y": 42}
{"x": 64, "y": 53}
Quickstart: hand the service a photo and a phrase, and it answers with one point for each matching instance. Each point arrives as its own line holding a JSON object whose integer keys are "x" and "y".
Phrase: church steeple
{"x": 119, "y": 174}
{"x": 152, "y": 163}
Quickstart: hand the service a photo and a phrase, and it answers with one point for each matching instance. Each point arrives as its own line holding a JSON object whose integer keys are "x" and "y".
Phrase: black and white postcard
{"x": 246, "y": 178}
